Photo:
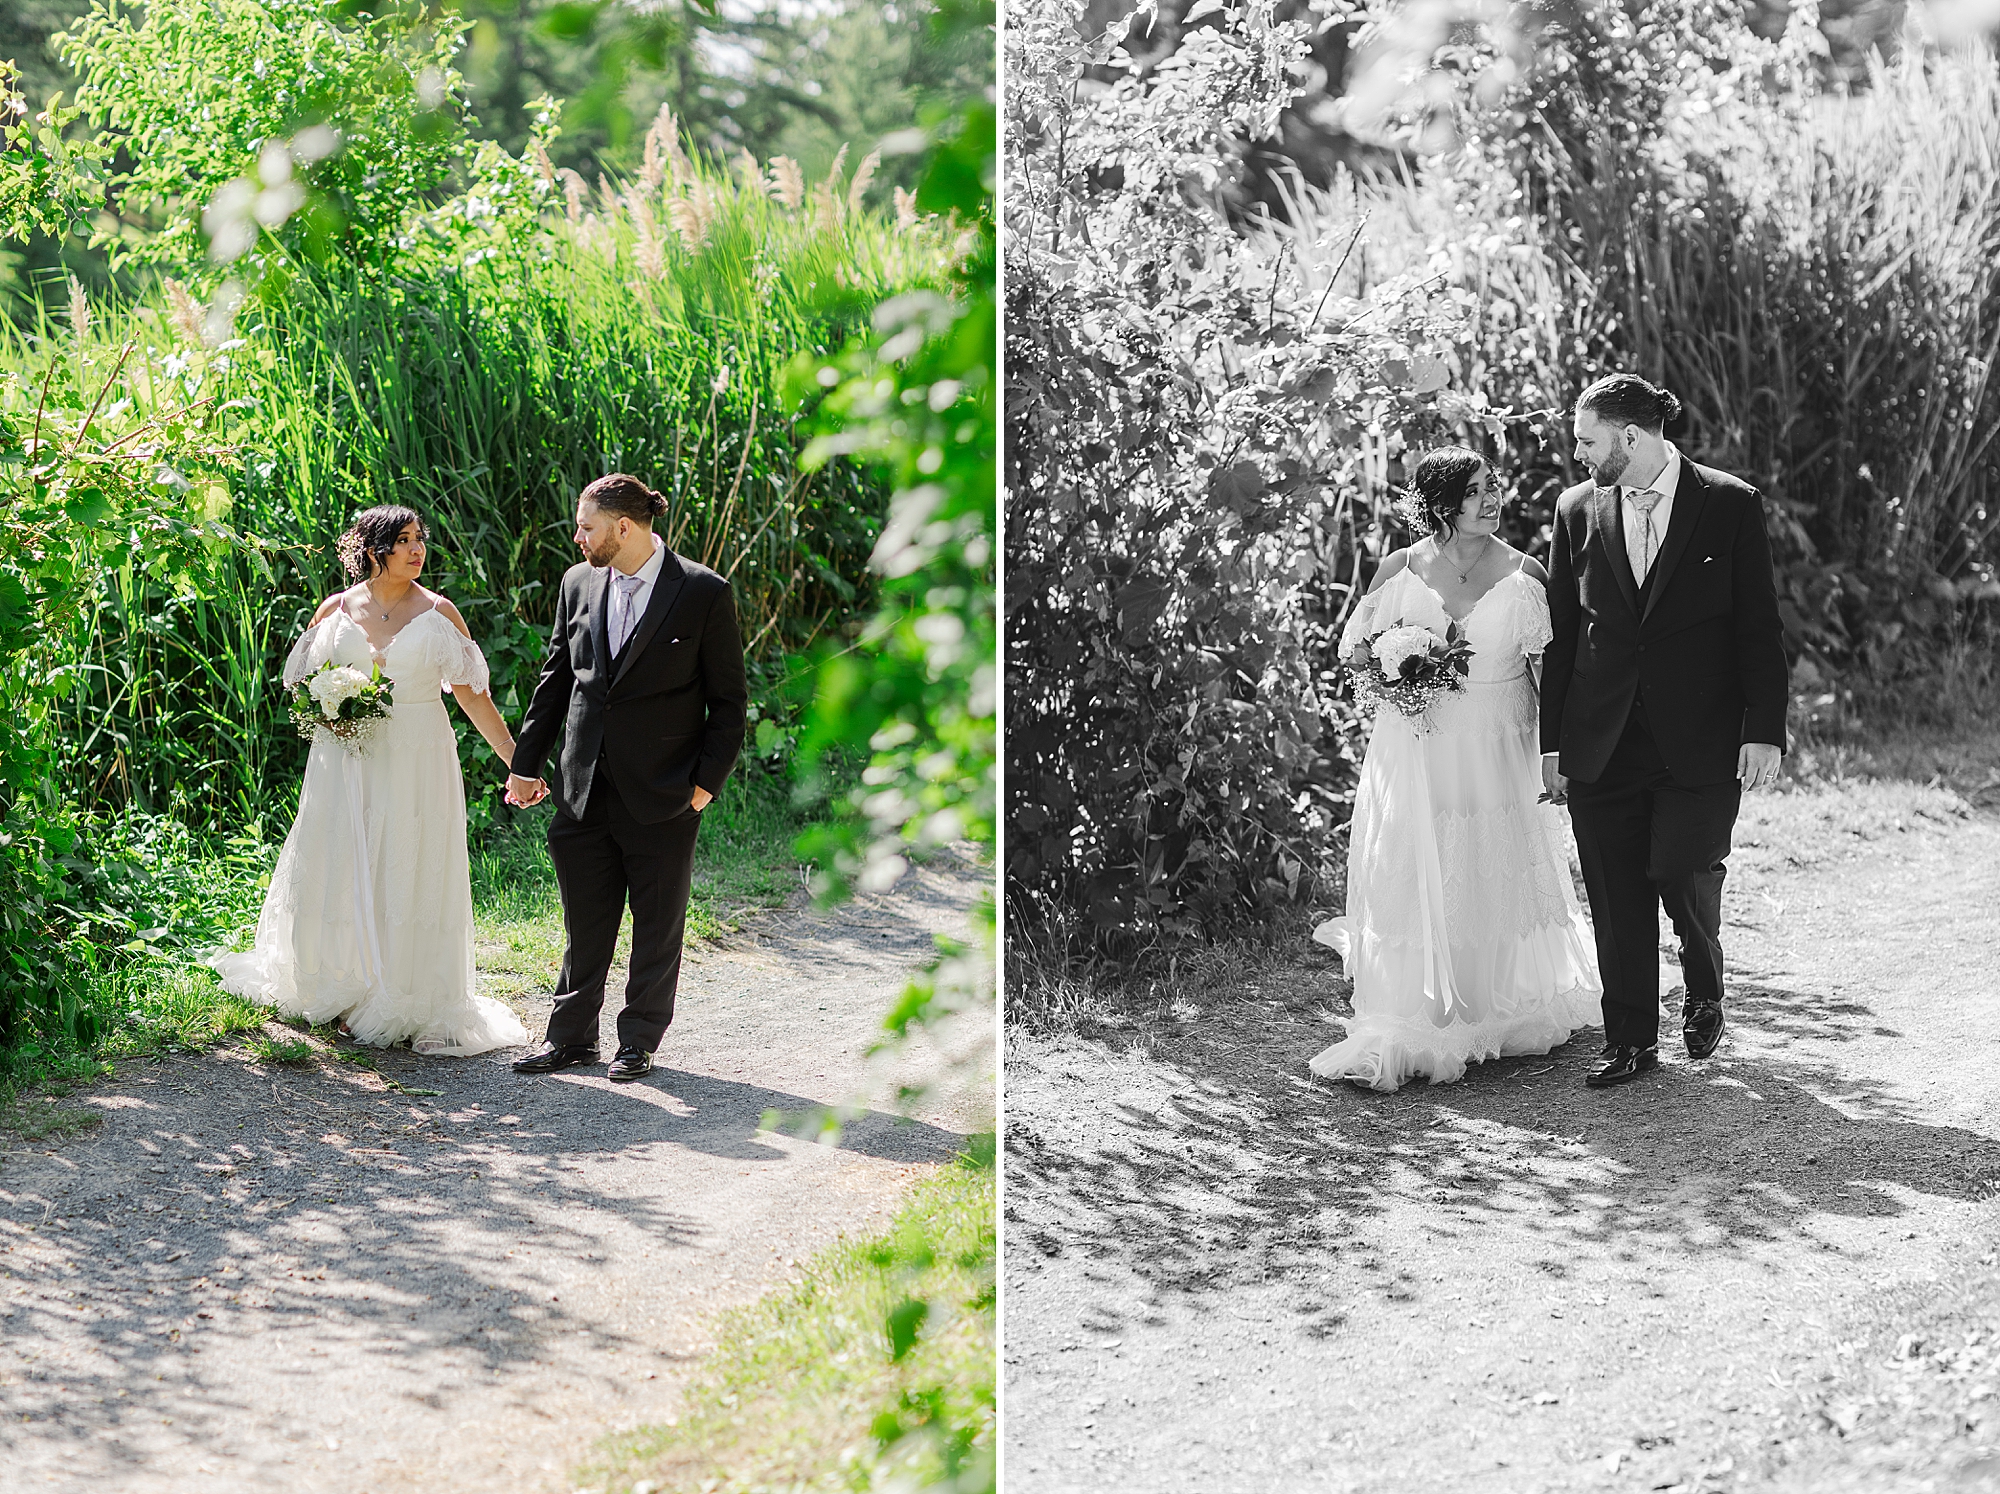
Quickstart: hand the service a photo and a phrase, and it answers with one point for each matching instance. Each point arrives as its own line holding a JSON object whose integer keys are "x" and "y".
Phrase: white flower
{"x": 330, "y": 687}
{"x": 1400, "y": 644}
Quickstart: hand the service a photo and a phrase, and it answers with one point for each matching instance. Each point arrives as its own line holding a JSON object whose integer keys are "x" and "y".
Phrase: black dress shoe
{"x": 1621, "y": 1065}
{"x": 1701, "y": 1026}
{"x": 555, "y": 1056}
{"x": 630, "y": 1064}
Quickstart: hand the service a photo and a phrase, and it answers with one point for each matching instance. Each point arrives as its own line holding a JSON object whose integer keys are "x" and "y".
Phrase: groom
{"x": 1663, "y": 698}
{"x": 644, "y": 678}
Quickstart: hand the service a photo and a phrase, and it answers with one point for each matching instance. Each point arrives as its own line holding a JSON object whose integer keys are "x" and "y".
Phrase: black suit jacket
{"x": 666, "y": 714}
{"x": 1706, "y": 652}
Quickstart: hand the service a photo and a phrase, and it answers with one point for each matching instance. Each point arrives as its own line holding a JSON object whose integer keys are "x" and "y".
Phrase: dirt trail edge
{"x": 1224, "y": 1275}
{"x": 256, "y": 1278}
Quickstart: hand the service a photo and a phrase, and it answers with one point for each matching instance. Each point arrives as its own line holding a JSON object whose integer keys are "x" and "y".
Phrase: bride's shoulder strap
{"x": 1394, "y": 562}
{"x": 459, "y": 656}
{"x": 440, "y": 604}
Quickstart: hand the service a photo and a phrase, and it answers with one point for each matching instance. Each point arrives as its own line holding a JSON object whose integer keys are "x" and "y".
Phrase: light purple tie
{"x": 1648, "y": 544}
{"x": 628, "y": 593}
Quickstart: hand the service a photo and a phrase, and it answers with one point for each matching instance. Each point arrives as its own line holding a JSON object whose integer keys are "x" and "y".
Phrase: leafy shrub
{"x": 241, "y": 112}
{"x": 1197, "y": 434}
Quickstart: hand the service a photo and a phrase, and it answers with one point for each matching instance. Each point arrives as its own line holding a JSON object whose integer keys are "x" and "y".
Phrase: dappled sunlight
{"x": 241, "y": 1242}
{"x": 1197, "y": 1187}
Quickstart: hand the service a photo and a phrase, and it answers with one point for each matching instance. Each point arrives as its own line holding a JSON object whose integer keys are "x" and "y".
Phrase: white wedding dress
{"x": 1462, "y": 932}
{"x": 369, "y": 914}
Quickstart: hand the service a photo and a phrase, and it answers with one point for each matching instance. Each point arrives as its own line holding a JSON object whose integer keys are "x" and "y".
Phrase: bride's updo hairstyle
{"x": 626, "y": 497}
{"x": 371, "y": 539}
{"x": 1437, "y": 490}
{"x": 1626, "y": 399}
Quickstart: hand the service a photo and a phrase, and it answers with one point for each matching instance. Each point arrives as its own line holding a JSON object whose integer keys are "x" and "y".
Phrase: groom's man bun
{"x": 627, "y": 497}
{"x": 1626, "y": 399}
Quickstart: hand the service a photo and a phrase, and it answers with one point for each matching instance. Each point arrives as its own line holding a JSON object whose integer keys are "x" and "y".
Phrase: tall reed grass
{"x": 1815, "y": 271}
{"x": 533, "y": 336}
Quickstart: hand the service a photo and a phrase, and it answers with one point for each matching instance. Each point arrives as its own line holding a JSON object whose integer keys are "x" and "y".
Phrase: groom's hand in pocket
{"x": 702, "y": 798}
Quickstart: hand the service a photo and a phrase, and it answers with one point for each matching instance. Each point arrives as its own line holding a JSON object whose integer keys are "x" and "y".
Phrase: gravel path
{"x": 1225, "y": 1275}
{"x": 262, "y": 1278}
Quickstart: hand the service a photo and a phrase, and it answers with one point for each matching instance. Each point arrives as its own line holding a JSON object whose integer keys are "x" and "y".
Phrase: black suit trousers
{"x": 601, "y": 861}
{"x": 1646, "y": 842}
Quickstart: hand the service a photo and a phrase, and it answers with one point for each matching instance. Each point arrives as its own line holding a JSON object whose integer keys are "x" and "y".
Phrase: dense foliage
{"x": 479, "y": 355}
{"x": 916, "y": 403}
{"x": 1210, "y": 403}
{"x": 788, "y": 81}
{"x": 1195, "y": 434}
{"x": 265, "y": 97}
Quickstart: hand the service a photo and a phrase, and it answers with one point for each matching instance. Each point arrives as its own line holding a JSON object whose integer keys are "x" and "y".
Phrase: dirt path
{"x": 1225, "y": 1275}
{"x": 257, "y": 1278}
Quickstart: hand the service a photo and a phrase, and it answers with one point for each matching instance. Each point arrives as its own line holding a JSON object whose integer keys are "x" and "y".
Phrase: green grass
{"x": 281, "y": 1050}
{"x": 45, "y": 1118}
{"x": 806, "y": 1390}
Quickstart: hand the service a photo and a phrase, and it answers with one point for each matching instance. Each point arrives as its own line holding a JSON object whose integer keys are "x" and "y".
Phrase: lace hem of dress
{"x": 377, "y": 1021}
{"x": 1383, "y": 1055}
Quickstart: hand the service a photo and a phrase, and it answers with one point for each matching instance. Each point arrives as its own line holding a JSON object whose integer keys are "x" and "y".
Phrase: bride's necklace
{"x": 1486, "y": 542}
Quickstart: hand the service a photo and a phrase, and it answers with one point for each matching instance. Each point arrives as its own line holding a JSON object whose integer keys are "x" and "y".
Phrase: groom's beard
{"x": 601, "y": 555}
{"x": 1606, "y": 473}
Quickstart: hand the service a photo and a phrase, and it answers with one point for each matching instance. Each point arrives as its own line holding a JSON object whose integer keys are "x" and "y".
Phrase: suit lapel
{"x": 1607, "y": 517}
{"x": 1690, "y": 494}
{"x": 600, "y": 621}
{"x": 665, "y": 590}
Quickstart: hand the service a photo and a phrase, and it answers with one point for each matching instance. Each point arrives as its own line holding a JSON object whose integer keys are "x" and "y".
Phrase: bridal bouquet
{"x": 342, "y": 702}
{"x": 1408, "y": 668}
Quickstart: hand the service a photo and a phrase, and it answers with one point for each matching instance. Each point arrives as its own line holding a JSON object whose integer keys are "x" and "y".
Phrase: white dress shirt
{"x": 1635, "y": 521}
{"x": 623, "y": 621}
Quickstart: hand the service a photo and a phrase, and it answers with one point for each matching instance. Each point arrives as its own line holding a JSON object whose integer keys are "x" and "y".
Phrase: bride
{"x": 1462, "y": 933}
{"x": 368, "y": 920}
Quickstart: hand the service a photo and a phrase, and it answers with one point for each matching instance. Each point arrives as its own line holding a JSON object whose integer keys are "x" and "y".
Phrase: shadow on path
{"x": 1227, "y": 1163}
{"x": 429, "y": 1245}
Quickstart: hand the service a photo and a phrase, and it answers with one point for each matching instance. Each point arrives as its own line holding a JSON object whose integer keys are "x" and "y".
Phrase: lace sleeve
{"x": 1360, "y": 623}
{"x": 306, "y": 656}
{"x": 1532, "y": 617}
{"x": 462, "y": 662}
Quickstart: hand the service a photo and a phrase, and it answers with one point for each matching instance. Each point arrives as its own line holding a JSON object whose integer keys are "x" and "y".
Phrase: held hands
{"x": 1555, "y": 787}
{"x": 523, "y": 793}
{"x": 1757, "y": 765}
